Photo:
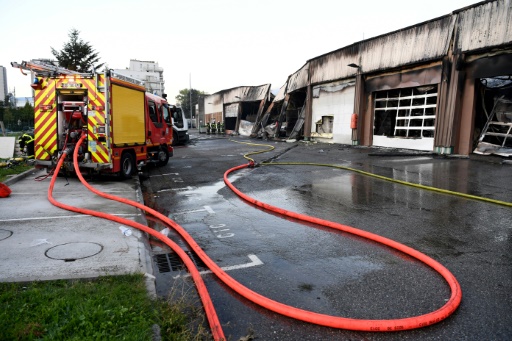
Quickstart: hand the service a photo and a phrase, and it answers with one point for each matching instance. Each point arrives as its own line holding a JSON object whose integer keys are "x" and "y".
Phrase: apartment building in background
{"x": 3, "y": 83}
{"x": 147, "y": 71}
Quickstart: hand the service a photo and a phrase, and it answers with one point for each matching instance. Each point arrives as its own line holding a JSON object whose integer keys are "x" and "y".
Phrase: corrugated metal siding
{"x": 484, "y": 26}
{"x": 299, "y": 79}
{"x": 255, "y": 93}
{"x": 423, "y": 42}
{"x": 230, "y": 96}
{"x": 333, "y": 66}
{"x": 246, "y": 93}
{"x": 282, "y": 92}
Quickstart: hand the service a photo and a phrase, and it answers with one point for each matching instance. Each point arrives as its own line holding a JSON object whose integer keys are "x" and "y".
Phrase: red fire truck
{"x": 125, "y": 126}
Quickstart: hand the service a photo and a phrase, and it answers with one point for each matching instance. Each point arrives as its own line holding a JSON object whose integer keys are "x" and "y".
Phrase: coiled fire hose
{"x": 300, "y": 314}
{"x": 361, "y": 324}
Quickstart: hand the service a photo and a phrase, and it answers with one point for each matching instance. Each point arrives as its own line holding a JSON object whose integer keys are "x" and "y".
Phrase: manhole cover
{"x": 4, "y": 234}
{"x": 72, "y": 251}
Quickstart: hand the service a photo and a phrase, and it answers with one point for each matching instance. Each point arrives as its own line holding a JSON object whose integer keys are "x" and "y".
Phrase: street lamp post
{"x": 190, "y": 94}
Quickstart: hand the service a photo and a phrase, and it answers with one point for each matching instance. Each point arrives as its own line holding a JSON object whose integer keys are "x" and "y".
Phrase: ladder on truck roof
{"x": 125, "y": 78}
{"x": 44, "y": 67}
{"x": 47, "y": 68}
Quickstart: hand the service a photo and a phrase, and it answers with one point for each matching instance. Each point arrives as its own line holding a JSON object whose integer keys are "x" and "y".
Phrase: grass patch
{"x": 13, "y": 169}
{"x": 106, "y": 308}
{"x": 11, "y": 166}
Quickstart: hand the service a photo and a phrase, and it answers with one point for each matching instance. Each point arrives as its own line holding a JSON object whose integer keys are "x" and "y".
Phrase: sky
{"x": 210, "y": 45}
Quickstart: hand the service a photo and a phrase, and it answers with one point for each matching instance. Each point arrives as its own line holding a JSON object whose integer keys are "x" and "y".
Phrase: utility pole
{"x": 190, "y": 93}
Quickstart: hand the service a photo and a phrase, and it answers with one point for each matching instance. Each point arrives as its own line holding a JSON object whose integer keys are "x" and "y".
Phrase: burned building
{"x": 237, "y": 108}
{"x": 444, "y": 85}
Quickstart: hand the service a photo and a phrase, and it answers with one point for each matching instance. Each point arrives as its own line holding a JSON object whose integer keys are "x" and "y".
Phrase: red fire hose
{"x": 361, "y": 324}
{"x": 300, "y": 314}
{"x": 213, "y": 320}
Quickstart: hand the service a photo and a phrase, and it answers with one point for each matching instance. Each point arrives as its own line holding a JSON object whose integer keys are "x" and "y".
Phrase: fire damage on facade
{"x": 237, "y": 108}
{"x": 444, "y": 85}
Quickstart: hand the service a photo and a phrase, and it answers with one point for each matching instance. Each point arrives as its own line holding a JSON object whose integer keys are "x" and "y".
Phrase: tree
{"x": 184, "y": 99}
{"x": 77, "y": 55}
{"x": 8, "y": 116}
{"x": 26, "y": 114}
{"x": 8, "y": 101}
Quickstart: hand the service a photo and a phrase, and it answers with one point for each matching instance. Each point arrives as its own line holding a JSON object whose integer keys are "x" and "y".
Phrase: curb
{"x": 14, "y": 179}
{"x": 146, "y": 259}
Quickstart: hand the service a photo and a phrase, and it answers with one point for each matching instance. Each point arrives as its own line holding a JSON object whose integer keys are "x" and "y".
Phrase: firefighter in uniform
{"x": 213, "y": 127}
{"x": 219, "y": 131}
{"x": 26, "y": 142}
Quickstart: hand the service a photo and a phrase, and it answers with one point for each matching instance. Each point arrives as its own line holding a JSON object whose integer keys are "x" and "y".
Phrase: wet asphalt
{"x": 330, "y": 272}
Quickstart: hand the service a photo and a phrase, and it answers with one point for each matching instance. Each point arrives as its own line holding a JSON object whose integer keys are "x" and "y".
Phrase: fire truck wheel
{"x": 127, "y": 165}
{"x": 163, "y": 157}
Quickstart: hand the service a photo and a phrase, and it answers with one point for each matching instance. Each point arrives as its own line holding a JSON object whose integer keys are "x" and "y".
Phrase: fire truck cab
{"x": 179, "y": 125}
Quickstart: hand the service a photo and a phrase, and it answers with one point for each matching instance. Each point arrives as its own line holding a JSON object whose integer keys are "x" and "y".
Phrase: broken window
{"x": 324, "y": 126}
{"x": 493, "y": 117}
{"x": 409, "y": 112}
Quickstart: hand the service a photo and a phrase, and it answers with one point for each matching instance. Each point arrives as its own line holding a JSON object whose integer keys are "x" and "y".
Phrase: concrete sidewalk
{"x": 39, "y": 241}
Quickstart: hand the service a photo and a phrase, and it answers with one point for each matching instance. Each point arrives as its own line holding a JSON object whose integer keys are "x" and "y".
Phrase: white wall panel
{"x": 340, "y": 105}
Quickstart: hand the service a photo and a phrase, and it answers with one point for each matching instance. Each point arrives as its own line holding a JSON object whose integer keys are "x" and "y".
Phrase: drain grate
{"x": 168, "y": 262}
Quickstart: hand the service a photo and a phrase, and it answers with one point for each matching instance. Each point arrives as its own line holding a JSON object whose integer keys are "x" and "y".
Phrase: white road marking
{"x": 255, "y": 261}
{"x": 152, "y": 176}
{"x": 206, "y": 208}
{"x": 188, "y": 188}
{"x": 69, "y": 216}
